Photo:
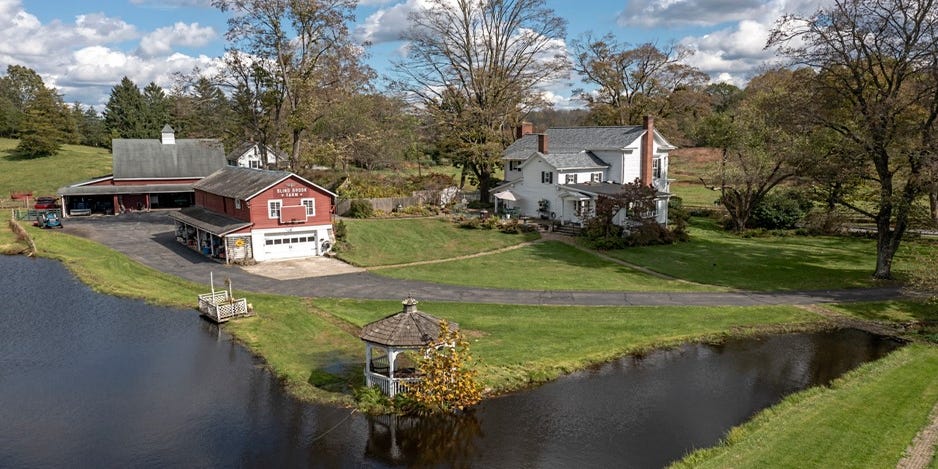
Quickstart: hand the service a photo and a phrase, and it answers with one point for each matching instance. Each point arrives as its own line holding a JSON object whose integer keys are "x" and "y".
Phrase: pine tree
{"x": 155, "y": 110}
{"x": 41, "y": 133}
{"x": 124, "y": 116}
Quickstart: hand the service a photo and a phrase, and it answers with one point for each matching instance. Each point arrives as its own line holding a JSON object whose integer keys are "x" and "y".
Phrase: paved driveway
{"x": 149, "y": 238}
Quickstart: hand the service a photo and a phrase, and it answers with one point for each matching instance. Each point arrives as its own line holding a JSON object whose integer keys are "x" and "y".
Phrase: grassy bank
{"x": 716, "y": 257}
{"x": 549, "y": 265}
{"x": 517, "y": 346}
{"x": 866, "y": 418}
{"x": 398, "y": 241}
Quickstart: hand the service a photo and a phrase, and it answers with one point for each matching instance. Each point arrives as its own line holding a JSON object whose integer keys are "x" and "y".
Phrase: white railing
{"x": 220, "y": 308}
{"x": 390, "y": 387}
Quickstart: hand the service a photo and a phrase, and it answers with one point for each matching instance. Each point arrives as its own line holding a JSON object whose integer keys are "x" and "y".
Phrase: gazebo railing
{"x": 390, "y": 387}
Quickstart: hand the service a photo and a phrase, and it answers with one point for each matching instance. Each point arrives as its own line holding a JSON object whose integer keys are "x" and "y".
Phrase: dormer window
{"x": 596, "y": 177}
{"x": 514, "y": 165}
{"x": 569, "y": 179}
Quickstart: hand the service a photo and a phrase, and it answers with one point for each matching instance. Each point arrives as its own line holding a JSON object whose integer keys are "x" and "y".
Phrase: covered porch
{"x": 212, "y": 235}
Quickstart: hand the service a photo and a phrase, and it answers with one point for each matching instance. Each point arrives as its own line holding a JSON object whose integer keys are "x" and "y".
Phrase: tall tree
{"x": 41, "y": 133}
{"x": 762, "y": 140}
{"x": 156, "y": 110}
{"x": 124, "y": 115}
{"x": 632, "y": 82}
{"x": 477, "y": 67}
{"x": 18, "y": 89}
{"x": 200, "y": 109}
{"x": 877, "y": 62}
{"x": 302, "y": 54}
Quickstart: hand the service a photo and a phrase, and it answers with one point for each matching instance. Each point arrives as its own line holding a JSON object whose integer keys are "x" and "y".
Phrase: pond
{"x": 93, "y": 380}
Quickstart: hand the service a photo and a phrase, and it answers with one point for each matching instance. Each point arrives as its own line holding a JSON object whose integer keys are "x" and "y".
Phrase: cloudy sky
{"x": 83, "y": 48}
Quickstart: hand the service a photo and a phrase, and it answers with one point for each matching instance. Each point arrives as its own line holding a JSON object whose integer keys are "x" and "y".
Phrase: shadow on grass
{"x": 715, "y": 257}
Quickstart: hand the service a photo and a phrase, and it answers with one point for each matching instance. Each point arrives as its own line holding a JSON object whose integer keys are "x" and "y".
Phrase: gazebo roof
{"x": 409, "y": 328}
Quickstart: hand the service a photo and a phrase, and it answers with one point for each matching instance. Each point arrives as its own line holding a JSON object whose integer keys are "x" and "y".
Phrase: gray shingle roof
{"x": 208, "y": 220}
{"x": 576, "y": 139}
{"x": 239, "y": 183}
{"x": 581, "y": 160}
{"x": 409, "y": 328}
{"x": 151, "y": 159}
{"x": 604, "y": 188}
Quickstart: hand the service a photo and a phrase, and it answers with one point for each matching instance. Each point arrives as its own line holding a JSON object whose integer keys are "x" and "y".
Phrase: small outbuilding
{"x": 386, "y": 340}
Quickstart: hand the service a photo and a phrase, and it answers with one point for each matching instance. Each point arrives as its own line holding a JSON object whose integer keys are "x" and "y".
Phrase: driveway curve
{"x": 149, "y": 239}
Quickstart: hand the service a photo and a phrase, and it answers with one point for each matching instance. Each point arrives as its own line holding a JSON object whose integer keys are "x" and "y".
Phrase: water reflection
{"x": 423, "y": 441}
{"x": 90, "y": 380}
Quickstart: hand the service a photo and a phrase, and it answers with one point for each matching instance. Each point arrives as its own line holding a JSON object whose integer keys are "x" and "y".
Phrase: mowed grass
{"x": 695, "y": 195}
{"x": 377, "y": 242}
{"x": 42, "y": 176}
{"x": 548, "y": 265}
{"x": 517, "y": 346}
{"x": 866, "y": 418}
{"x": 716, "y": 257}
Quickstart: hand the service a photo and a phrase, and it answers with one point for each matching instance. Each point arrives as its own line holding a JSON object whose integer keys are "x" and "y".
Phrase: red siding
{"x": 217, "y": 203}
{"x": 290, "y": 191}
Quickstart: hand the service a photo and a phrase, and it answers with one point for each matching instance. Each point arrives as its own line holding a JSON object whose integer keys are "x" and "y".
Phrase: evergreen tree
{"x": 17, "y": 91}
{"x": 41, "y": 132}
{"x": 124, "y": 116}
{"x": 155, "y": 110}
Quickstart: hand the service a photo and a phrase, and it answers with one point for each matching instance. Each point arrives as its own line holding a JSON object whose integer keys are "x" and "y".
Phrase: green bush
{"x": 649, "y": 234}
{"x": 361, "y": 208}
{"x": 340, "y": 230}
{"x": 780, "y": 210}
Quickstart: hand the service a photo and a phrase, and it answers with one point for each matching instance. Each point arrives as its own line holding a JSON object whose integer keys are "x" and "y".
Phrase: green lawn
{"x": 716, "y": 257}
{"x": 43, "y": 176}
{"x": 549, "y": 265}
{"x": 377, "y": 242}
{"x": 695, "y": 194}
{"x": 865, "y": 419}
{"x": 517, "y": 346}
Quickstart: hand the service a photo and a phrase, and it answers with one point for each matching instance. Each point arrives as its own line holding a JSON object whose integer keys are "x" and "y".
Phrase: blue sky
{"x": 85, "y": 47}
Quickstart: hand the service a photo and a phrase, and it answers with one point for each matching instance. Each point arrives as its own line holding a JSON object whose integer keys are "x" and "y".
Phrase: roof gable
{"x": 151, "y": 159}
{"x": 577, "y": 139}
{"x": 245, "y": 147}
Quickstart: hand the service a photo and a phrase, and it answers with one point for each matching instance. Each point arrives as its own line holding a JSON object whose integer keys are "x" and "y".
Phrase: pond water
{"x": 89, "y": 380}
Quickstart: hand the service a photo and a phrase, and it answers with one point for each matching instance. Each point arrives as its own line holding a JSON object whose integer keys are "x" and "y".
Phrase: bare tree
{"x": 876, "y": 61}
{"x": 298, "y": 56}
{"x": 631, "y": 81}
{"x": 476, "y": 67}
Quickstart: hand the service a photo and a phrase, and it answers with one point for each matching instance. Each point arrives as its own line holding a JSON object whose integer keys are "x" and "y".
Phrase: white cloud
{"x": 173, "y": 3}
{"x": 162, "y": 40}
{"x": 388, "y": 24}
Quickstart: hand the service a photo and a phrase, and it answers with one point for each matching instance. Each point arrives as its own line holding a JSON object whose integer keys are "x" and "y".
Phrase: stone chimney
{"x": 410, "y": 304}
{"x": 524, "y": 129}
{"x": 647, "y": 151}
{"x": 168, "y": 136}
{"x": 542, "y": 143}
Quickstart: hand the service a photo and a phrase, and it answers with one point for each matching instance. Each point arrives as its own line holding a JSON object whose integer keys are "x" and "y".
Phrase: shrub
{"x": 469, "y": 223}
{"x": 649, "y": 234}
{"x": 480, "y": 204}
{"x": 340, "y": 230}
{"x": 448, "y": 383}
{"x": 360, "y": 208}
{"x": 678, "y": 218}
{"x": 510, "y": 227}
{"x": 780, "y": 210}
{"x": 824, "y": 223}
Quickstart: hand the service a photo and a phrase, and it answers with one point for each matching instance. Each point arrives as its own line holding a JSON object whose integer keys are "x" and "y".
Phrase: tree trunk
{"x": 933, "y": 203}
{"x": 884, "y": 254}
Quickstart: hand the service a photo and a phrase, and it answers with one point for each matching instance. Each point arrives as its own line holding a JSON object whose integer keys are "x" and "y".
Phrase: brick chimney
{"x": 524, "y": 129}
{"x": 648, "y": 150}
{"x": 542, "y": 143}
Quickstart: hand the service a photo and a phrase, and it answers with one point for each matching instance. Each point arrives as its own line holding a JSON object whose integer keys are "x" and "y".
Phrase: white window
{"x": 656, "y": 168}
{"x": 273, "y": 208}
{"x": 569, "y": 179}
{"x": 596, "y": 177}
{"x": 256, "y": 164}
{"x": 238, "y": 204}
{"x": 547, "y": 177}
{"x": 310, "y": 205}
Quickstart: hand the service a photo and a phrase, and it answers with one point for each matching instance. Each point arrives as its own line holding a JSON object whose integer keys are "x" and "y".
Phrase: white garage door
{"x": 284, "y": 245}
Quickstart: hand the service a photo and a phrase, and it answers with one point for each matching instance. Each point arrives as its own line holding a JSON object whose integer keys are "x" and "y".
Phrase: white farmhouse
{"x": 256, "y": 155}
{"x": 559, "y": 174}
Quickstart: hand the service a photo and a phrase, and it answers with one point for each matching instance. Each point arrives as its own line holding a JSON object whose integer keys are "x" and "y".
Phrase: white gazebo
{"x": 386, "y": 340}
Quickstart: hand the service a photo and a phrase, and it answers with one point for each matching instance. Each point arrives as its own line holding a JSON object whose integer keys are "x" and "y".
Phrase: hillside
{"x": 42, "y": 176}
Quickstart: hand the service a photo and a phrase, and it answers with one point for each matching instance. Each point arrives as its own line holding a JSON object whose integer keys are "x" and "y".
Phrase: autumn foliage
{"x": 448, "y": 384}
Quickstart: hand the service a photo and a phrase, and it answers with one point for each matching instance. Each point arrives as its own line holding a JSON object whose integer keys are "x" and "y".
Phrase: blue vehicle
{"x": 48, "y": 220}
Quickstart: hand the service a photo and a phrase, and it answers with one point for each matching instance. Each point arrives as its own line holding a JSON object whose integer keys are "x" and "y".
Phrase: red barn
{"x": 242, "y": 214}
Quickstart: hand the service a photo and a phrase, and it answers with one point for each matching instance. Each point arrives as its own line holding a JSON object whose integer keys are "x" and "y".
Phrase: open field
{"x": 866, "y": 418}
{"x": 43, "y": 176}
{"x": 396, "y": 241}
{"x": 549, "y": 265}
{"x": 716, "y": 257}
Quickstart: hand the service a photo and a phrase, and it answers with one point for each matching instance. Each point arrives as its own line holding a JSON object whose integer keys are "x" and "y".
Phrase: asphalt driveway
{"x": 149, "y": 239}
